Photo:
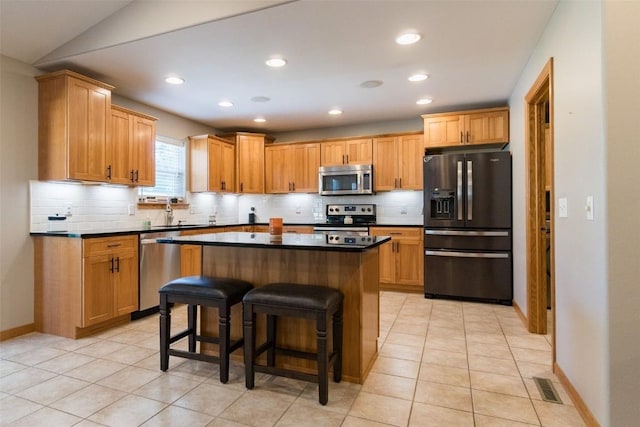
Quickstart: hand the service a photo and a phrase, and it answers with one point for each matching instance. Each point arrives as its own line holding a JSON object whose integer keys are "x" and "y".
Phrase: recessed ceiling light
{"x": 418, "y": 77}
{"x": 259, "y": 120}
{"x": 424, "y": 101}
{"x": 335, "y": 112}
{"x": 276, "y": 62}
{"x": 260, "y": 99}
{"x": 225, "y": 104}
{"x": 371, "y": 84}
{"x": 410, "y": 37}
{"x": 174, "y": 80}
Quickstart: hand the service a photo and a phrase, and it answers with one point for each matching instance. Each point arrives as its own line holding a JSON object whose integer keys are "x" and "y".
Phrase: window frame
{"x": 143, "y": 192}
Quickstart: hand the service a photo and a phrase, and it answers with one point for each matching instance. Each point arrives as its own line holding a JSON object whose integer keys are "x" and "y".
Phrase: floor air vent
{"x": 547, "y": 390}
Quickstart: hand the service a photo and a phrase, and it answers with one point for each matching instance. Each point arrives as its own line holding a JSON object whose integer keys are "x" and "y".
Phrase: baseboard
{"x": 16, "y": 332}
{"x": 521, "y": 315}
{"x": 579, "y": 404}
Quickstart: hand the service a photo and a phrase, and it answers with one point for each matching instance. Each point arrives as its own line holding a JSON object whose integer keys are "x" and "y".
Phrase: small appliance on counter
{"x": 56, "y": 223}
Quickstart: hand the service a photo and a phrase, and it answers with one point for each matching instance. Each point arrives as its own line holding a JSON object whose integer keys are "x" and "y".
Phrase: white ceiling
{"x": 473, "y": 52}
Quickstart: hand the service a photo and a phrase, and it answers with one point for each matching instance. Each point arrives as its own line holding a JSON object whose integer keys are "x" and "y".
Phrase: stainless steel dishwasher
{"x": 159, "y": 263}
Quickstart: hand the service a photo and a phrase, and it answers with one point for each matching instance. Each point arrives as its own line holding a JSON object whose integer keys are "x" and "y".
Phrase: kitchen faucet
{"x": 168, "y": 214}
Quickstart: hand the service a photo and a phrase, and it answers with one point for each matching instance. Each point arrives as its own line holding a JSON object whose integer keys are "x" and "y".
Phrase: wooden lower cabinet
{"x": 401, "y": 259}
{"x": 84, "y": 285}
{"x": 191, "y": 255}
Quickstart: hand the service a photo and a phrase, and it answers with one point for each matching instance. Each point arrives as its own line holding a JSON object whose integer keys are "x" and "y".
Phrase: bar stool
{"x": 221, "y": 293}
{"x": 319, "y": 303}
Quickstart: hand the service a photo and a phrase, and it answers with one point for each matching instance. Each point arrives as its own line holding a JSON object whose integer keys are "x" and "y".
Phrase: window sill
{"x": 162, "y": 206}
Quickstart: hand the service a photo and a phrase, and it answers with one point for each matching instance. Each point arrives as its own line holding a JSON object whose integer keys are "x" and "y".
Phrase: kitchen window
{"x": 170, "y": 169}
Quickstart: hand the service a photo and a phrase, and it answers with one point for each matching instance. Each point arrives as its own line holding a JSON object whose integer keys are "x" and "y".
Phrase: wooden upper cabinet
{"x": 74, "y": 114}
{"x": 347, "y": 152}
{"x": 487, "y": 126}
{"x": 212, "y": 164}
{"x": 249, "y": 161}
{"x": 397, "y": 163}
{"x": 292, "y": 168}
{"x": 306, "y": 161}
{"x": 131, "y": 148}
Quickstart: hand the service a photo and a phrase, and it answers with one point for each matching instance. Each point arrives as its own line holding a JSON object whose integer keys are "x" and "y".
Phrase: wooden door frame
{"x": 541, "y": 93}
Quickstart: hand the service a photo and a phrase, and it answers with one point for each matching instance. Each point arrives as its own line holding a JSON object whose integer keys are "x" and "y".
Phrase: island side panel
{"x": 353, "y": 273}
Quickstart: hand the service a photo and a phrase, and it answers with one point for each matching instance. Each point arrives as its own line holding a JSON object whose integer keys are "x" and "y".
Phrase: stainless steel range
{"x": 347, "y": 220}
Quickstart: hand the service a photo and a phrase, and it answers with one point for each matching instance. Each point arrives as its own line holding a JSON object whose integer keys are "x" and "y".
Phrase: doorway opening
{"x": 540, "y": 205}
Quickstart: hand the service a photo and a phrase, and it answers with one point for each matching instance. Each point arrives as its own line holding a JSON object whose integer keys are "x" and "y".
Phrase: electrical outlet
{"x": 131, "y": 209}
{"x": 298, "y": 209}
{"x": 68, "y": 210}
{"x": 403, "y": 210}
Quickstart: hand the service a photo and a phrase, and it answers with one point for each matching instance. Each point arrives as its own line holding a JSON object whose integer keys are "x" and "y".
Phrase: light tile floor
{"x": 441, "y": 363}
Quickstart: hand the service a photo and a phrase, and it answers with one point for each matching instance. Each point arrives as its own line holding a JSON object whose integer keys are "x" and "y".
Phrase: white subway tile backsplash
{"x": 98, "y": 207}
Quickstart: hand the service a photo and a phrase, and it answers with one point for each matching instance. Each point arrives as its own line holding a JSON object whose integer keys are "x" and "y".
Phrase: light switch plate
{"x": 589, "y": 208}
{"x": 563, "y": 209}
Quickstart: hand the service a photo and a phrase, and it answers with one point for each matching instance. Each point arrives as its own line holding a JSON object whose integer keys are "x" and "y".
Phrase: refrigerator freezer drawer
{"x": 470, "y": 275}
{"x": 472, "y": 240}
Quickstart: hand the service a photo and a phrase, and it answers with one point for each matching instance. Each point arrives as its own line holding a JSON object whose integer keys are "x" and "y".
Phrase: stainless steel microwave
{"x": 345, "y": 180}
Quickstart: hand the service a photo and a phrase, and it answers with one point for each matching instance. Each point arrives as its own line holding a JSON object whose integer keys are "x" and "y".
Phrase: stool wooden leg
{"x": 272, "y": 325}
{"x": 249, "y": 319}
{"x": 224, "y": 320}
{"x": 192, "y": 317}
{"x": 337, "y": 344}
{"x": 323, "y": 359}
{"x": 165, "y": 330}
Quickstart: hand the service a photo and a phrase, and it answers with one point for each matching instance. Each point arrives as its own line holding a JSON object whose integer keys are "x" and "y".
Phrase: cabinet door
{"x": 143, "y": 153}
{"x": 125, "y": 283}
{"x": 118, "y": 148}
{"x": 488, "y": 127}
{"x": 215, "y": 165}
{"x": 306, "y": 161}
{"x": 278, "y": 169}
{"x": 385, "y": 164}
{"x": 250, "y": 164}
{"x": 97, "y": 289}
{"x": 228, "y": 167}
{"x": 386, "y": 270}
{"x": 410, "y": 165}
{"x": 89, "y": 115}
{"x": 190, "y": 260}
{"x": 359, "y": 151}
{"x": 409, "y": 262}
{"x": 332, "y": 153}
{"x": 443, "y": 131}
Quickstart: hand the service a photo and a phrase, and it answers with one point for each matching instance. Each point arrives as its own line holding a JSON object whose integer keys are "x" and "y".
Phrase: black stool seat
{"x": 221, "y": 293}
{"x": 302, "y": 297}
{"x": 319, "y": 303}
{"x": 207, "y": 287}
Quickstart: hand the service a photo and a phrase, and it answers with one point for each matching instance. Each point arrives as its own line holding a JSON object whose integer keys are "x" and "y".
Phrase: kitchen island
{"x": 351, "y": 267}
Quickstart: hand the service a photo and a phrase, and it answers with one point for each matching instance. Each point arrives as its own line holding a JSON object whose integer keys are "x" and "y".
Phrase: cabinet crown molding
{"x": 75, "y": 75}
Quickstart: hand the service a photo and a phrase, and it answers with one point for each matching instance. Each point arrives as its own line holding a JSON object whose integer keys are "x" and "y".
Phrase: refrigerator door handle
{"x": 499, "y": 255}
{"x": 466, "y": 233}
{"x": 469, "y": 190}
{"x": 459, "y": 191}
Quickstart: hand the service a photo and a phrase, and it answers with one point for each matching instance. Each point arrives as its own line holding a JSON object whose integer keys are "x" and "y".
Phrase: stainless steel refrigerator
{"x": 467, "y": 226}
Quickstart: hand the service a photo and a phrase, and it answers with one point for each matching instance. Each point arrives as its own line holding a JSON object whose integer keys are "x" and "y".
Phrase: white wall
{"x": 18, "y": 164}
{"x": 573, "y": 38}
{"x": 622, "y": 103}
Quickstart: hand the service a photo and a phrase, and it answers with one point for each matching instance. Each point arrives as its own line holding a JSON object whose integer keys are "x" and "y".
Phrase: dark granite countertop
{"x": 288, "y": 241}
{"x": 107, "y": 232}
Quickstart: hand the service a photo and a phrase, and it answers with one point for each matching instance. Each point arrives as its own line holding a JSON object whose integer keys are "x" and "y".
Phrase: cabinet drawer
{"x": 397, "y": 232}
{"x": 102, "y": 245}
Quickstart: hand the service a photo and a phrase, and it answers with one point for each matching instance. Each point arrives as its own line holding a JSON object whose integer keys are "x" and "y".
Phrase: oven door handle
{"x": 492, "y": 255}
